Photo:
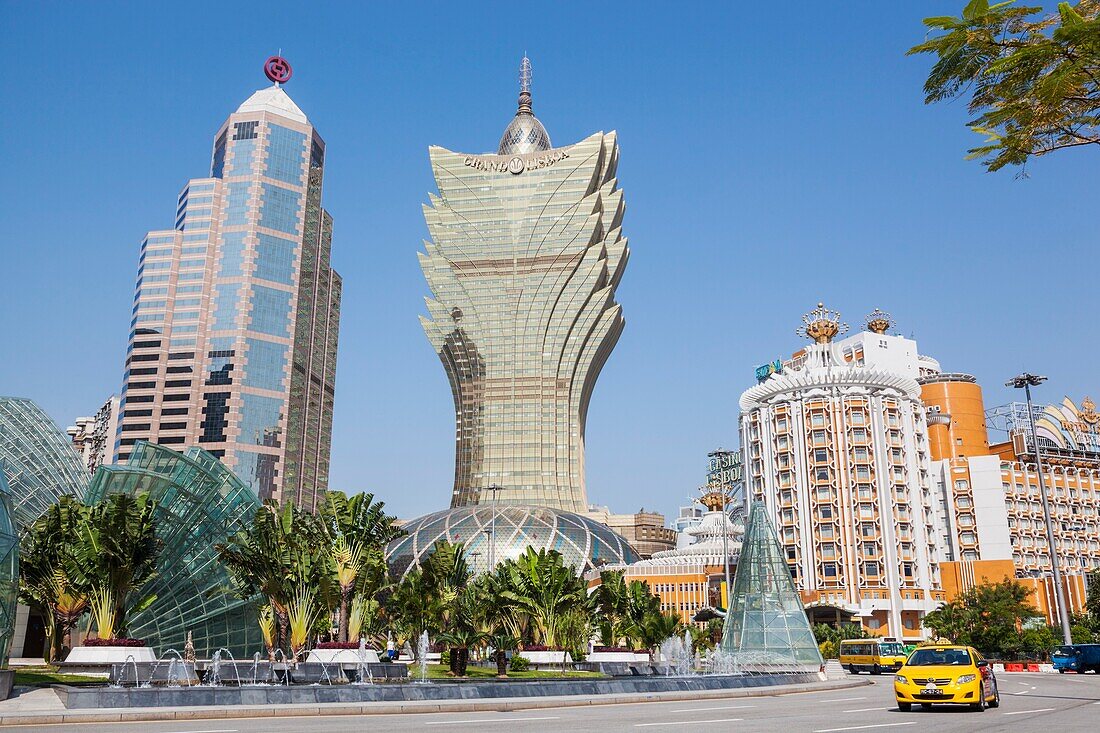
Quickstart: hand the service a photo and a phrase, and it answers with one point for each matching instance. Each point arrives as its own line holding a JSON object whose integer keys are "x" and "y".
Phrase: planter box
{"x": 545, "y": 658}
{"x": 612, "y": 657}
{"x": 107, "y": 655}
{"x": 345, "y": 657}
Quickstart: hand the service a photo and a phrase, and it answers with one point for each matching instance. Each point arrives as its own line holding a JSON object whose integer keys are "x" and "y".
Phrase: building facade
{"x": 691, "y": 578}
{"x": 236, "y": 312}
{"x": 525, "y": 254}
{"x": 94, "y": 437}
{"x": 994, "y": 519}
{"x": 835, "y": 444}
{"x": 645, "y": 531}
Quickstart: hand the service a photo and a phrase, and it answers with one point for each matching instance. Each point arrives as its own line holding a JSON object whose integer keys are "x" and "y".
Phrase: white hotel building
{"x": 835, "y": 443}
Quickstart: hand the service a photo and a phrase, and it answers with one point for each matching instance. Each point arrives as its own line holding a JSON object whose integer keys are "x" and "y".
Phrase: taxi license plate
{"x": 930, "y": 690}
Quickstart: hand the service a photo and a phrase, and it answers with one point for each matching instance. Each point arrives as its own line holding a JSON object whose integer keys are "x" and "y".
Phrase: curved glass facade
{"x": 199, "y": 503}
{"x": 525, "y": 254}
{"x": 38, "y": 459}
{"x": 9, "y": 572}
{"x": 584, "y": 543}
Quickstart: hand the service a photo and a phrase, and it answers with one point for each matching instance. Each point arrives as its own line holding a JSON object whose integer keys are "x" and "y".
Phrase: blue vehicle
{"x": 1077, "y": 658}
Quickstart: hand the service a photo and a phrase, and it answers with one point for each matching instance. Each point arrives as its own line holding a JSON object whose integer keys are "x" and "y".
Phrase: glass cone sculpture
{"x": 766, "y": 624}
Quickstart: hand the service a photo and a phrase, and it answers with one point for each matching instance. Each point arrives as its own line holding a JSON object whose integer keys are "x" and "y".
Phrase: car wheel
{"x": 905, "y": 706}
{"x": 978, "y": 706}
{"x": 1062, "y": 671}
{"x": 876, "y": 670}
{"x": 996, "y": 702}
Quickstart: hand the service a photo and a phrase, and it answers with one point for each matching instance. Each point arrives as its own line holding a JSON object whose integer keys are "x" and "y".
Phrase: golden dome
{"x": 821, "y": 325}
{"x": 879, "y": 321}
{"x": 713, "y": 500}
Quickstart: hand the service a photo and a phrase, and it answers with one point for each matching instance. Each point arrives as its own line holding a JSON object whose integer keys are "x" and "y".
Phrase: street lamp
{"x": 493, "y": 526}
{"x": 1026, "y": 381}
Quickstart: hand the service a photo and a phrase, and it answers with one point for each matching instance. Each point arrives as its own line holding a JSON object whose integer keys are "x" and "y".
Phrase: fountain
{"x": 363, "y": 665}
{"x": 216, "y": 667}
{"x": 286, "y": 667}
{"x": 133, "y": 663}
{"x": 422, "y": 657}
{"x": 172, "y": 674}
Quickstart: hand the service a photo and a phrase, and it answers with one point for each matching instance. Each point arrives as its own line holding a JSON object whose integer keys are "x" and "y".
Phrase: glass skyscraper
{"x": 526, "y": 251}
{"x": 236, "y": 311}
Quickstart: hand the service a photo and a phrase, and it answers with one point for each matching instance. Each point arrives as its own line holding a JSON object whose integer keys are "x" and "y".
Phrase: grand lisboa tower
{"x": 525, "y": 254}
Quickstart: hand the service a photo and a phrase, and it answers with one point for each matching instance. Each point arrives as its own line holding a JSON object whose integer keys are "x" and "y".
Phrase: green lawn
{"x": 439, "y": 672}
{"x": 46, "y": 676}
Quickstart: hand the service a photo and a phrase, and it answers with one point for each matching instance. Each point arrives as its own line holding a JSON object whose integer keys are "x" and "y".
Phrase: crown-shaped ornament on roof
{"x": 821, "y": 325}
{"x": 879, "y": 321}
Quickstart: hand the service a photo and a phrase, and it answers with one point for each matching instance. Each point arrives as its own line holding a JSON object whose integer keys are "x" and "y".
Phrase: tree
{"x": 359, "y": 530}
{"x": 544, "y": 589}
{"x": 283, "y": 556}
{"x": 1092, "y": 602}
{"x": 988, "y": 617}
{"x": 658, "y": 626}
{"x": 113, "y": 555}
{"x": 1034, "y": 83}
{"x": 44, "y": 583}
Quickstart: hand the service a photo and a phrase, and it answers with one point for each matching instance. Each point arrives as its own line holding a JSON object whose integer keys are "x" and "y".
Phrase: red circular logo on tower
{"x": 278, "y": 69}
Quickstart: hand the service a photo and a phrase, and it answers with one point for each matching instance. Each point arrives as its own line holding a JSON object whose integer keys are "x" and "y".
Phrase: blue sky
{"x": 773, "y": 155}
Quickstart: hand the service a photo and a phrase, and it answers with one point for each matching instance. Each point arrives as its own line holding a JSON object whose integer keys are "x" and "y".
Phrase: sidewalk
{"x": 42, "y": 706}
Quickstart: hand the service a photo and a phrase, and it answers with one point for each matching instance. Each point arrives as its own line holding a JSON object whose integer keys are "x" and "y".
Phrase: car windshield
{"x": 1065, "y": 651}
{"x": 890, "y": 648}
{"x": 938, "y": 657}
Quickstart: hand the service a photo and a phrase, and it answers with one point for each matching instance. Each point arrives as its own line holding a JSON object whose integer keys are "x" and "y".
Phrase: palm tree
{"x": 656, "y": 627}
{"x": 114, "y": 554}
{"x": 283, "y": 550}
{"x": 44, "y": 583}
{"x": 359, "y": 530}
{"x": 544, "y": 588}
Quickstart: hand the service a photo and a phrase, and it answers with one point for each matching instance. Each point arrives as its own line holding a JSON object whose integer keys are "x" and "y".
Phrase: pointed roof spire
{"x": 524, "y": 86}
{"x": 525, "y": 134}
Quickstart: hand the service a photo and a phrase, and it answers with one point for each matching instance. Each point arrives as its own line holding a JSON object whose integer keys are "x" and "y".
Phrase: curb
{"x": 129, "y": 715}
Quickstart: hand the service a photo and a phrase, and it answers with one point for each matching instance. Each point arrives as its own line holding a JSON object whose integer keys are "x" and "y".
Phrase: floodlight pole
{"x": 1027, "y": 381}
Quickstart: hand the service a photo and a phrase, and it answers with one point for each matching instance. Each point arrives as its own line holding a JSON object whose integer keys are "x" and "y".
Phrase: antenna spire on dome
{"x": 524, "y": 86}
{"x": 525, "y": 134}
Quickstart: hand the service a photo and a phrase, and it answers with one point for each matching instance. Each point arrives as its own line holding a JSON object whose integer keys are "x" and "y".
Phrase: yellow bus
{"x": 871, "y": 655}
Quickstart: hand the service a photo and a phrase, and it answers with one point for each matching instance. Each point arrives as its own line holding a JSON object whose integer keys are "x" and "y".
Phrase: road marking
{"x": 864, "y": 710}
{"x": 689, "y": 722}
{"x": 1025, "y": 712}
{"x": 1021, "y": 692}
{"x": 220, "y": 730}
{"x": 702, "y": 710}
{"x": 488, "y": 720}
{"x": 863, "y": 727}
{"x": 844, "y": 699}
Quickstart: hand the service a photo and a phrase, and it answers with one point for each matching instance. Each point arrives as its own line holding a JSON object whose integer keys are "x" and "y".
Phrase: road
{"x": 1029, "y": 702}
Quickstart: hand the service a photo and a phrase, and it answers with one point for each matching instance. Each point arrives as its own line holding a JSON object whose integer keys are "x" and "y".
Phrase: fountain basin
{"x": 109, "y": 697}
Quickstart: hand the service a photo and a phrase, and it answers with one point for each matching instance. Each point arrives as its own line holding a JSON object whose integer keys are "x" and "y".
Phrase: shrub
{"x": 114, "y": 642}
{"x": 445, "y": 657}
{"x": 612, "y": 649}
{"x": 829, "y": 650}
{"x": 520, "y": 664}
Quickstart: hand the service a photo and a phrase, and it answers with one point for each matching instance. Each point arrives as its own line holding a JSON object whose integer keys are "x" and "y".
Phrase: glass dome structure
{"x": 584, "y": 543}
{"x": 9, "y": 572}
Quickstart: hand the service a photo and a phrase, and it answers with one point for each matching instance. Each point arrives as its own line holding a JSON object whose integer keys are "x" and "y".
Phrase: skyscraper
{"x": 236, "y": 310}
{"x": 525, "y": 254}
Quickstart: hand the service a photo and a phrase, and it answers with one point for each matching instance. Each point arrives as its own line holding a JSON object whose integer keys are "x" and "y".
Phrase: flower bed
{"x": 542, "y": 648}
{"x": 621, "y": 649}
{"x": 115, "y": 642}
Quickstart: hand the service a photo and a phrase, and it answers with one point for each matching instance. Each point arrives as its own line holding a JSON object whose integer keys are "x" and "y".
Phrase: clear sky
{"x": 773, "y": 155}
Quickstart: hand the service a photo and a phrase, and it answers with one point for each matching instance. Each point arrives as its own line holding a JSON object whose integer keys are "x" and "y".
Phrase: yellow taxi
{"x": 956, "y": 675}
